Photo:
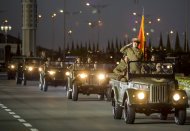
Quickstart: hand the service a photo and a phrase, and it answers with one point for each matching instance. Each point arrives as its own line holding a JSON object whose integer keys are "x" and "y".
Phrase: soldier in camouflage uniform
{"x": 134, "y": 54}
{"x": 121, "y": 69}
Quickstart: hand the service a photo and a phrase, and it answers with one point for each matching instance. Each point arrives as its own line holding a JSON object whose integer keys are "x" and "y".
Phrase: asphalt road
{"x": 26, "y": 108}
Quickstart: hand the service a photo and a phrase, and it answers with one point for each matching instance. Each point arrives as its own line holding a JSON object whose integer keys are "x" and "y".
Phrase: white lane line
{"x": 4, "y": 107}
{"x": 12, "y": 113}
{"x": 27, "y": 124}
{"x": 8, "y": 110}
{"x": 16, "y": 116}
{"x": 21, "y": 120}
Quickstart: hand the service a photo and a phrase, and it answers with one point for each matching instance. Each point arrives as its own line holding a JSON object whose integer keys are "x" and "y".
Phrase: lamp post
{"x": 5, "y": 27}
{"x": 53, "y": 29}
{"x": 65, "y": 14}
{"x": 97, "y": 10}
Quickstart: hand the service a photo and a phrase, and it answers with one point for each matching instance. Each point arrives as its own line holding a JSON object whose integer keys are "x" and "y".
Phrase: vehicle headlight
{"x": 101, "y": 76}
{"x": 40, "y": 69}
{"x": 83, "y": 75}
{"x": 67, "y": 73}
{"x": 141, "y": 95}
{"x": 30, "y": 68}
{"x": 12, "y": 66}
{"x": 176, "y": 97}
{"x": 51, "y": 72}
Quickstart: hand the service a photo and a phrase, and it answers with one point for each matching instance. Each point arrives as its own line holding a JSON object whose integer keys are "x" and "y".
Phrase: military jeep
{"x": 12, "y": 66}
{"x": 149, "y": 90}
{"x": 29, "y": 69}
{"x": 54, "y": 74}
{"x": 88, "y": 79}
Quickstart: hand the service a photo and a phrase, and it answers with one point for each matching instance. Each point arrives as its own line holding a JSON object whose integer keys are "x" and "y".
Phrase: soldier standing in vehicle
{"x": 120, "y": 70}
{"x": 59, "y": 63}
{"x": 134, "y": 54}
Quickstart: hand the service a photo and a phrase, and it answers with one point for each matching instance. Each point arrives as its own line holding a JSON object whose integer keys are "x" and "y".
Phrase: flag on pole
{"x": 141, "y": 36}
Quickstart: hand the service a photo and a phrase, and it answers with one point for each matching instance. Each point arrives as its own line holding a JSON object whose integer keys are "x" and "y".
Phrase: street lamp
{"x": 65, "y": 13}
{"x": 5, "y": 27}
{"x": 97, "y": 10}
{"x": 53, "y": 29}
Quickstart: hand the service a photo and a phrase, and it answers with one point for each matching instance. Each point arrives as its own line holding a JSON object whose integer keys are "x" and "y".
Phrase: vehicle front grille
{"x": 59, "y": 75}
{"x": 92, "y": 80}
{"x": 158, "y": 94}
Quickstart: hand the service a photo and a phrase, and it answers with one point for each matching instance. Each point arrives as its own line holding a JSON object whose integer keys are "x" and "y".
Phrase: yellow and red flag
{"x": 141, "y": 36}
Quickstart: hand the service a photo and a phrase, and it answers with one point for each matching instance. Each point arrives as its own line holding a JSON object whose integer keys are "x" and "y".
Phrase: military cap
{"x": 136, "y": 40}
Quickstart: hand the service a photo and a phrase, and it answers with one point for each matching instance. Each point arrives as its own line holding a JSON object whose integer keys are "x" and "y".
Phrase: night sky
{"x": 117, "y": 17}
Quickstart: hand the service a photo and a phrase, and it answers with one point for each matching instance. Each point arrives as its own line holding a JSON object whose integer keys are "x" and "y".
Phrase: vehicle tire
{"x": 75, "y": 93}
{"x": 163, "y": 116}
{"x": 41, "y": 82}
{"x": 45, "y": 85}
{"x": 69, "y": 93}
{"x": 129, "y": 113}
{"x": 116, "y": 109}
{"x": 18, "y": 81}
{"x": 180, "y": 116}
{"x": 24, "y": 81}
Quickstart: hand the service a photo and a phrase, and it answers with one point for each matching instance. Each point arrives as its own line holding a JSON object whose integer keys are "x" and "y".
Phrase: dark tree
{"x": 108, "y": 47}
{"x": 187, "y": 46}
{"x": 116, "y": 45}
{"x": 149, "y": 44}
{"x": 93, "y": 48}
{"x": 168, "y": 44}
{"x": 97, "y": 47}
{"x": 72, "y": 46}
{"x": 112, "y": 47}
{"x": 177, "y": 44}
{"x": 89, "y": 46}
{"x": 185, "y": 43}
{"x": 160, "y": 47}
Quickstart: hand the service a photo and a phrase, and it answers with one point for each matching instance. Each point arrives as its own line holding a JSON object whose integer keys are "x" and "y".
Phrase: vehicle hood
{"x": 150, "y": 80}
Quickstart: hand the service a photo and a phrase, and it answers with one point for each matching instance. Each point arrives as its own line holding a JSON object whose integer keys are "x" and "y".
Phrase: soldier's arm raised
{"x": 122, "y": 50}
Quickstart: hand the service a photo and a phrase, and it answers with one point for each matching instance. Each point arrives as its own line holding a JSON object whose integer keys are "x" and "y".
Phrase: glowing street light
{"x": 70, "y": 32}
{"x": 134, "y": 13}
{"x": 171, "y": 32}
{"x": 61, "y": 11}
{"x": 5, "y": 27}
{"x": 158, "y": 19}
{"x": 53, "y": 29}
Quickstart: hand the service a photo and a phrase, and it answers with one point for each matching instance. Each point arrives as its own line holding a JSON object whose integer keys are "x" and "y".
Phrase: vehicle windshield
{"x": 57, "y": 64}
{"x": 151, "y": 68}
{"x": 33, "y": 61}
{"x": 94, "y": 66}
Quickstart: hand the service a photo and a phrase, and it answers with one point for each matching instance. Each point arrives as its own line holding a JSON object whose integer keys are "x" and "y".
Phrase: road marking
{"x": 21, "y": 120}
{"x": 8, "y": 110}
{"x": 16, "y": 116}
{"x": 28, "y": 125}
{"x": 4, "y": 107}
{"x": 12, "y": 113}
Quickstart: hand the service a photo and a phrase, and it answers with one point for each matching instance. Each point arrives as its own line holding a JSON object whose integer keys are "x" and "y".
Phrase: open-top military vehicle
{"x": 88, "y": 79}
{"x": 54, "y": 74}
{"x": 12, "y": 66}
{"x": 151, "y": 88}
{"x": 29, "y": 69}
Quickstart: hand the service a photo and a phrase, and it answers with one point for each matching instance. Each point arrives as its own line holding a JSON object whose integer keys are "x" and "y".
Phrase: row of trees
{"x": 113, "y": 47}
